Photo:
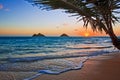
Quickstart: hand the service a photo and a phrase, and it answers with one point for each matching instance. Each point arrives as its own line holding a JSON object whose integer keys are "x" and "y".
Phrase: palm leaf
{"x": 99, "y": 13}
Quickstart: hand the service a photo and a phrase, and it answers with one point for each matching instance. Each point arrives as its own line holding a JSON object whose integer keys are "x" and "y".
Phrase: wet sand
{"x": 106, "y": 67}
{"x": 15, "y": 75}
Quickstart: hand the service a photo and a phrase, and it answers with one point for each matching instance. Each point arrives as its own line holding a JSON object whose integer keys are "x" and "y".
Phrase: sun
{"x": 86, "y": 34}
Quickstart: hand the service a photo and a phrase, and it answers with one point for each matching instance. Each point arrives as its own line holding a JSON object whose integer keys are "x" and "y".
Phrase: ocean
{"x": 50, "y": 55}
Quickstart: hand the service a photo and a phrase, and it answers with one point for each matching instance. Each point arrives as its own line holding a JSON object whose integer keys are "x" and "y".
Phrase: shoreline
{"x": 95, "y": 68}
{"x": 104, "y": 67}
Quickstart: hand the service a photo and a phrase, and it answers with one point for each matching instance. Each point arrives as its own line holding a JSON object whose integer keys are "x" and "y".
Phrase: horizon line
{"x": 48, "y": 36}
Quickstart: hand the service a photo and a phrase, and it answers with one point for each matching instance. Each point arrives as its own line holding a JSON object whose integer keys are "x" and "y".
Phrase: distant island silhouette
{"x": 64, "y": 35}
{"x": 42, "y": 35}
{"x": 38, "y": 35}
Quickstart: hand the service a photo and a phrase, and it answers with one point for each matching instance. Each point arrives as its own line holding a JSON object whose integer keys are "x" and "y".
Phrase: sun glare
{"x": 87, "y": 34}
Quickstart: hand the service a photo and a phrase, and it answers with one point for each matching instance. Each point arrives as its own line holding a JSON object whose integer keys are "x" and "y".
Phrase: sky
{"x": 21, "y": 18}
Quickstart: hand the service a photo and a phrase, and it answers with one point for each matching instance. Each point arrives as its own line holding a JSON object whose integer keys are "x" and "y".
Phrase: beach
{"x": 39, "y": 45}
{"x": 104, "y": 67}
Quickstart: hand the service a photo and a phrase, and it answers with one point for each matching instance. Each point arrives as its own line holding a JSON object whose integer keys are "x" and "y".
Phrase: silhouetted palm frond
{"x": 99, "y": 13}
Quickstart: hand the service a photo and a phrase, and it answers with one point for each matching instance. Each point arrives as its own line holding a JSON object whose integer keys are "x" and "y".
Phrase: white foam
{"x": 80, "y": 65}
{"x": 30, "y": 78}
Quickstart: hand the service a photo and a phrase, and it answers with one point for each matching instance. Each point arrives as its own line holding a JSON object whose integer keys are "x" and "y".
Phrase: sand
{"x": 106, "y": 67}
{"x": 15, "y": 75}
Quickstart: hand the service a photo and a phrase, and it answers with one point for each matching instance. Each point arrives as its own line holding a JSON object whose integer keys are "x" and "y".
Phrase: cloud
{"x": 75, "y": 29}
{"x": 7, "y": 9}
{"x": 65, "y": 24}
{"x": 1, "y": 6}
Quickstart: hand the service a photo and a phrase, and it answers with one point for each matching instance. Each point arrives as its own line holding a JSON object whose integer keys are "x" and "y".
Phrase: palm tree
{"x": 100, "y": 14}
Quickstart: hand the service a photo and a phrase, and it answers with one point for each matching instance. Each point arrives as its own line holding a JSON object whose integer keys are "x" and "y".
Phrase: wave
{"x": 91, "y": 47}
{"x": 107, "y": 41}
{"x": 88, "y": 42}
{"x": 37, "y": 58}
{"x": 58, "y": 72}
{"x": 64, "y": 70}
{"x": 58, "y": 56}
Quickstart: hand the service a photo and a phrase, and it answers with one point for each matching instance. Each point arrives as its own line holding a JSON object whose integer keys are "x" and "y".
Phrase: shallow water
{"x": 50, "y": 55}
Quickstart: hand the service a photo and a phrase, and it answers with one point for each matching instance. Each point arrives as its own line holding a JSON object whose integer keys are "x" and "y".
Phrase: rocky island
{"x": 64, "y": 35}
{"x": 38, "y": 35}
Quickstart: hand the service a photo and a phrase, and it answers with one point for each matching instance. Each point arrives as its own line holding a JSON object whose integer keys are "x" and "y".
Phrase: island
{"x": 64, "y": 35}
{"x": 38, "y": 35}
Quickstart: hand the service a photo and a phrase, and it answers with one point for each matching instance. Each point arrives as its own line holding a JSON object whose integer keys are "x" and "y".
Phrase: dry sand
{"x": 106, "y": 67}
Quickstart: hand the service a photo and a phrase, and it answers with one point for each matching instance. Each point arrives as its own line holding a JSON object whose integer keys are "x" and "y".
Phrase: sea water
{"x": 50, "y": 55}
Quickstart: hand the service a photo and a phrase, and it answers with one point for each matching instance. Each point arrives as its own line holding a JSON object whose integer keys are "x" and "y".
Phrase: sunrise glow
{"x": 87, "y": 34}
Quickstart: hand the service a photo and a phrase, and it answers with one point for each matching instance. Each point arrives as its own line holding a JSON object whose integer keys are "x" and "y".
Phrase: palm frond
{"x": 99, "y": 13}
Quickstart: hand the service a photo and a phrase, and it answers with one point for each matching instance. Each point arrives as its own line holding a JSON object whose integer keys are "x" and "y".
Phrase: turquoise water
{"x": 31, "y": 46}
{"x": 50, "y": 55}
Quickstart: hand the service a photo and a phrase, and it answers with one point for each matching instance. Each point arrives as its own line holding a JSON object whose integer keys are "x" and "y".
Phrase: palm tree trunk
{"x": 109, "y": 30}
{"x": 114, "y": 38}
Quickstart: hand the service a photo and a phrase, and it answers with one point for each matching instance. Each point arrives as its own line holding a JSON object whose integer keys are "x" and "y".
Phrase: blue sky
{"x": 19, "y": 14}
{"x": 19, "y": 17}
